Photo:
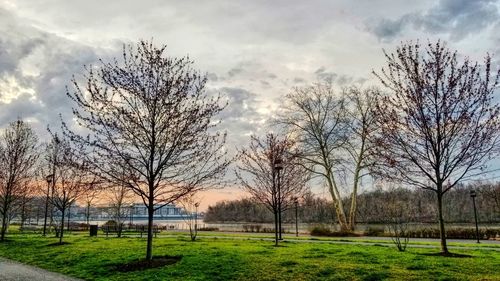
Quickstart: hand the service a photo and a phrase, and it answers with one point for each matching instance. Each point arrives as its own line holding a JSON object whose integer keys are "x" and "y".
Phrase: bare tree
{"x": 119, "y": 196}
{"x": 70, "y": 178}
{"x": 492, "y": 192}
{"x": 18, "y": 156}
{"x": 317, "y": 119}
{"x": 150, "y": 117}
{"x": 258, "y": 175}
{"x": 397, "y": 216}
{"x": 27, "y": 197}
{"x": 89, "y": 196}
{"x": 439, "y": 124}
{"x": 190, "y": 205}
{"x": 359, "y": 146}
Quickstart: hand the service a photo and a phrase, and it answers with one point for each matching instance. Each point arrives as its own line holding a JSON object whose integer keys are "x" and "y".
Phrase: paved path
{"x": 14, "y": 271}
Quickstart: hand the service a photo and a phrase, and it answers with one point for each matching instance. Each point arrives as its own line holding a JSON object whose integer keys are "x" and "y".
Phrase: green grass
{"x": 343, "y": 239}
{"x": 239, "y": 259}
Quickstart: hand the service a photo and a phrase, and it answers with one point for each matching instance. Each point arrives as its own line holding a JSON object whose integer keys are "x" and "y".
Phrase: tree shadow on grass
{"x": 143, "y": 264}
{"x": 449, "y": 255}
{"x": 58, "y": 244}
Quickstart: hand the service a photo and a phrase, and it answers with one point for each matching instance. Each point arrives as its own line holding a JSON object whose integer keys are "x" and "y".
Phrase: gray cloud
{"x": 42, "y": 63}
{"x": 234, "y": 71}
{"x": 341, "y": 80}
{"x": 241, "y": 117}
{"x": 455, "y": 18}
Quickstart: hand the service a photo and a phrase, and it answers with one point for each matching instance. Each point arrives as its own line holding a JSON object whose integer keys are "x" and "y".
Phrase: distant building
{"x": 169, "y": 211}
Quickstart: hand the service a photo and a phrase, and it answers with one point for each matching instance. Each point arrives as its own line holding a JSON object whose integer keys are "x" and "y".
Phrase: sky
{"x": 253, "y": 52}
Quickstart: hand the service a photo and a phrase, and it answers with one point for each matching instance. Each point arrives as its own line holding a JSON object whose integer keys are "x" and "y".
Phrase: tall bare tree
{"x": 258, "y": 175}
{"x": 359, "y": 146}
{"x": 317, "y": 118}
{"x": 439, "y": 124}
{"x": 18, "y": 156}
{"x": 151, "y": 117}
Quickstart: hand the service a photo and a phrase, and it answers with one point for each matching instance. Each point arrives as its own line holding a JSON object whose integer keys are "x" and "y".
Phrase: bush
{"x": 455, "y": 233}
{"x": 111, "y": 223}
{"x": 322, "y": 230}
{"x": 252, "y": 227}
{"x": 374, "y": 231}
{"x": 208, "y": 229}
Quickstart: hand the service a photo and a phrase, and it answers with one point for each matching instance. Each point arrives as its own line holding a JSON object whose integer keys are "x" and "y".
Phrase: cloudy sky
{"x": 253, "y": 51}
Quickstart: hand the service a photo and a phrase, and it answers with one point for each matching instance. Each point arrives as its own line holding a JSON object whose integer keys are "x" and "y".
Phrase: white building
{"x": 169, "y": 211}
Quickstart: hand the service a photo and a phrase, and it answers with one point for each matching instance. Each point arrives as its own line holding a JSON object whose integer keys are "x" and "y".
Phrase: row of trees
{"x": 372, "y": 207}
{"x": 435, "y": 125}
{"x": 146, "y": 124}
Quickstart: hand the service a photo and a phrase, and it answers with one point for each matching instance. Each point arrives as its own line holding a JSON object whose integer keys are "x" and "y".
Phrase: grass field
{"x": 227, "y": 259}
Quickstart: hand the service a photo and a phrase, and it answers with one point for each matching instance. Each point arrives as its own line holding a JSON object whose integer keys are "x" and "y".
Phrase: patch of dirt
{"x": 147, "y": 264}
{"x": 449, "y": 255}
{"x": 58, "y": 244}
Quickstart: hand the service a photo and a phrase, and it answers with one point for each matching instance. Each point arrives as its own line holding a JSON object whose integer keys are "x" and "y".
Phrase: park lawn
{"x": 226, "y": 259}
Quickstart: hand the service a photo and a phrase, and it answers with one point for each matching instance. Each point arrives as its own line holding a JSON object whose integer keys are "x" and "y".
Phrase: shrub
{"x": 455, "y": 233}
{"x": 252, "y": 227}
{"x": 208, "y": 229}
{"x": 374, "y": 231}
{"x": 322, "y": 230}
{"x": 110, "y": 223}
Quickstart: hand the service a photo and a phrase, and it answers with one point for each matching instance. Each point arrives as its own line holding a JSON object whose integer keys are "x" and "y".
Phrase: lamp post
{"x": 196, "y": 205}
{"x": 131, "y": 215}
{"x": 49, "y": 179}
{"x": 296, "y": 201}
{"x": 69, "y": 216}
{"x": 473, "y": 196}
{"x": 278, "y": 166}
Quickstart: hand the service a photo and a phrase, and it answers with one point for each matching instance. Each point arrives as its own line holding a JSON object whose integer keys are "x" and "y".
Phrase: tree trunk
{"x": 62, "y": 227}
{"x": 69, "y": 217}
{"x": 275, "y": 228}
{"x": 354, "y": 196}
{"x": 23, "y": 214}
{"x": 149, "y": 250}
{"x": 442, "y": 232}
{"x": 337, "y": 203}
{"x": 88, "y": 216}
{"x": 120, "y": 227}
{"x": 4, "y": 226}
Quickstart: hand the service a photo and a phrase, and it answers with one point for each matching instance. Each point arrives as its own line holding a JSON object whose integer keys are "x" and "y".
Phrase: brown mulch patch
{"x": 58, "y": 244}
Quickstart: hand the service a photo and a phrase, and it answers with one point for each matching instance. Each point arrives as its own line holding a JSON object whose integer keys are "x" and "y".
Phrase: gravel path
{"x": 14, "y": 271}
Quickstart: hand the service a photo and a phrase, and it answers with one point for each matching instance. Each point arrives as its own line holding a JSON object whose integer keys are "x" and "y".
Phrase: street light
{"x": 196, "y": 205}
{"x": 278, "y": 166}
{"x": 49, "y": 180}
{"x": 473, "y": 196}
{"x": 296, "y": 201}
